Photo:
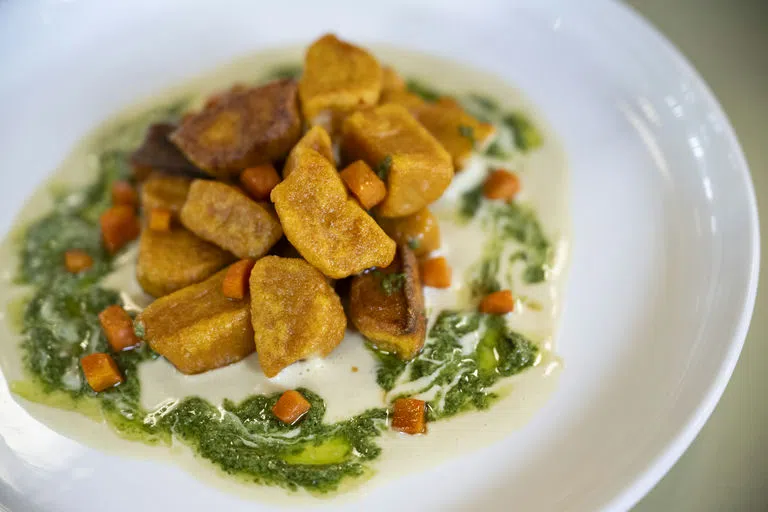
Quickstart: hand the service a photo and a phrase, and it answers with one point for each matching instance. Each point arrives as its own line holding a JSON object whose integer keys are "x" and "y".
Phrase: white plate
{"x": 665, "y": 256}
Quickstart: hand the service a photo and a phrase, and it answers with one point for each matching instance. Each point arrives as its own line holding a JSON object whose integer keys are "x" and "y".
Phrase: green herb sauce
{"x": 462, "y": 381}
{"x": 60, "y": 325}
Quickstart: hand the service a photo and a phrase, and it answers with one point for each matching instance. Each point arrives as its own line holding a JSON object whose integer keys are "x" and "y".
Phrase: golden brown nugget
{"x": 328, "y": 228}
{"x": 338, "y": 77}
{"x": 164, "y": 191}
{"x": 415, "y": 166}
{"x": 316, "y": 138}
{"x": 295, "y": 313}
{"x": 387, "y": 306}
{"x": 171, "y": 260}
{"x": 242, "y": 129}
{"x": 198, "y": 329}
{"x": 224, "y": 215}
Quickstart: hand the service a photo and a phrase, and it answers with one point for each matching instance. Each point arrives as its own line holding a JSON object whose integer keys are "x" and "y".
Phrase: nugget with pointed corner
{"x": 329, "y": 229}
{"x": 295, "y": 313}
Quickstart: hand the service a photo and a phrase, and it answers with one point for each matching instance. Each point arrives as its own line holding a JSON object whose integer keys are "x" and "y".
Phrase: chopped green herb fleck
{"x": 468, "y": 132}
{"x": 414, "y": 243}
{"x": 486, "y": 102}
{"x": 471, "y": 201}
{"x": 382, "y": 169}
{"x": 527, "y": 137}
{"x": 495, "y": 150}
{"x": 287, "y": 71}
{"x": 390, "y": 283}
{"x": 425, "y": 92}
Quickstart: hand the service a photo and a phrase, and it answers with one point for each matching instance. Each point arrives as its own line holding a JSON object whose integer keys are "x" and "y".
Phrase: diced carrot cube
{"x": 100, "y": 371}
{"x": 259, "y": 181}
{"x": 118, "y": 327}
{"x": 436, "y": 272}
{"x": 160, "y": 219}
{"x": 501, "y": 184}
{"x": 124, "y": 193}
{"x": 77, "y": 261}
{"x": 235, "y": 284}
{"x": 119, "y": 225}
{"x": 291, "y": 407}
{"x": 364, "y": 184}
{"x": 498, "y": 303}
{"x": 409, "y": 415}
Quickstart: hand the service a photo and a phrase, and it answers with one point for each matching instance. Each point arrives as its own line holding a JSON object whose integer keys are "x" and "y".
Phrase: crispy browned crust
{"x": 197, "y": 328}
{"x": 157, "y": 152}
{"x": 244, "y": 128}
{"x": 393, "y": 323}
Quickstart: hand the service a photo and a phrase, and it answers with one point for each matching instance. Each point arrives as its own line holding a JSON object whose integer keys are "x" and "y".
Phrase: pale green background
{"x": 726, "y": 468}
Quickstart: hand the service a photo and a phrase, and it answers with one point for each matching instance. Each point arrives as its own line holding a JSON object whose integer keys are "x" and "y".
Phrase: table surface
{"x": 726, "y": 468}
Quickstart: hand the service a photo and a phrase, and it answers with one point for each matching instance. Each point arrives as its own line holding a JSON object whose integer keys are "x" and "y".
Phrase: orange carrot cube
{"x": 501, "y": 184}
{"x": 118, "y": 327}
{"x": 124, "y": 193}
{"x": 291, "y": 407}
{"x": 498, "y": 303}
{"x": 77, "y": 261}
{"x": 409, "y": 415}
{"x": 160, "y": 219}
{"x": 235, "y": 284}
{"x": 119, "y": 225}
{"x": 259, "y": 181}
{"x": 364, "y": 184}
{"x": 100, "y": 371}
{"x": 436, "y": 272}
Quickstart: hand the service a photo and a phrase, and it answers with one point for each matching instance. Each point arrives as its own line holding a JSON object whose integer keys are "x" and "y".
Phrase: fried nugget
{"x": 224, "y": 215}
{"x": 338, "y": 77}
{"x": 295, "y": 313}
{"x": 197, "y": 328}
{"x": 171, "y": 260}
{"x": 242, "y": 129}
{"x": 328, "y": 228}
{"x": 387, "y": 306}
{"x": 416, "y": 167}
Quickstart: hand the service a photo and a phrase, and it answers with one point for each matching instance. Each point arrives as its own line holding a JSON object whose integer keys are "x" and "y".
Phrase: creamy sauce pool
{"x": 346, "y": 392}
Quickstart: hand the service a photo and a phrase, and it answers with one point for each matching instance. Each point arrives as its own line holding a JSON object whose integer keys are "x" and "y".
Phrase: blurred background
{"x": 726, "y": 468}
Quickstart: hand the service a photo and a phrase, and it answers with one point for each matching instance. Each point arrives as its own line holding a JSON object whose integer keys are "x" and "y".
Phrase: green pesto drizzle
{"x": 61, "y": 325}
{"x": 244, "y": 439}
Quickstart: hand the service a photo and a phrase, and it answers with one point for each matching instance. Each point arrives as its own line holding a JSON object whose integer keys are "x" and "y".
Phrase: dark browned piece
{"x": 395, "y": 321}
{"x": 243, "y": 129}
{"x": 157, "y": 152}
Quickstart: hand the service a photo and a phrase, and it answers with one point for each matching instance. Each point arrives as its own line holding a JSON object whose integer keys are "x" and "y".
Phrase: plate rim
{"x": 660, "y": 465}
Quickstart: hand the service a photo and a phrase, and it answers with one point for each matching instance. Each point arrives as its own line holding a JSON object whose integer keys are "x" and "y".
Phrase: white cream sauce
{"x": 346, "y": 391}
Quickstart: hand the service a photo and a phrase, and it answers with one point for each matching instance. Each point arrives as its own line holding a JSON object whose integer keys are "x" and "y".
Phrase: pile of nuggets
{"x": 253, "y": 177}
